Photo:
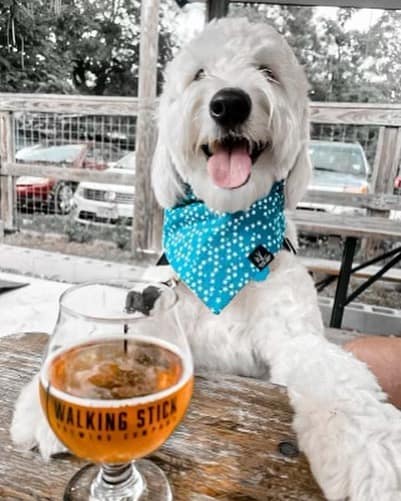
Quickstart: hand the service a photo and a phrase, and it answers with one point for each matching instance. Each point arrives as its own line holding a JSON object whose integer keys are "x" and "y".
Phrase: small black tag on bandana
{"x": 260, "y": 257}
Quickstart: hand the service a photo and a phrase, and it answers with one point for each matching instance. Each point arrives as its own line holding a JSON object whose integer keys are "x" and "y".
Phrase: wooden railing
{"x": 386, "y": 164}
{"x": 71, "y": 105}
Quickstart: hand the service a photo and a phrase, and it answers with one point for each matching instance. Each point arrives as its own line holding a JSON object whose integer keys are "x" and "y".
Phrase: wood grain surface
{"x": 346, "y": 225}
{"x": 7, "y": 185}
{"x": 59, "y": 103}
{"x": 227, "y": 447}
{"x": 332, "y": 267}
{"x": 368, "y": 4}
{"x": 64, "y": 171}
{"x": 146, "y": 210}
{"x": 377, "y": 201}
{"x": 356, "y": 113}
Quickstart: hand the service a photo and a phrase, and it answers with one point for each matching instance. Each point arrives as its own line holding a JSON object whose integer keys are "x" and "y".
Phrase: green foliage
{"x": 385, "y": 62}
{"x": 122, "y": 234}
{"x": 77, "y": 232}
{"x": 118, "y": 233}
{"x": 28, "y": 61}
{"x": 342, "y": 64}
{"x": 87, "y": 46}
{"x": 102, "y": 42}
{"x": 92, "y": 47}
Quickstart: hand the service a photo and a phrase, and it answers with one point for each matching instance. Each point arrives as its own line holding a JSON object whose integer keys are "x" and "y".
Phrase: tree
{"x": 101, "y": 40}
{"x": 90, "y": 47}
{"x": 384, "y": 64}
{"x": 28, "y": 61}
{"x": 342, "y": 64}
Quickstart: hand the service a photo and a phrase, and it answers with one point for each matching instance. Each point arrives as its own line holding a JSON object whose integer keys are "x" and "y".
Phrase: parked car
{"x": 100, "y": 203}
{"x": 396, "y": 214}
{"x": 338, "y": 167}
{"x": 397, "y": 185}
{"x": 44, "y": 192}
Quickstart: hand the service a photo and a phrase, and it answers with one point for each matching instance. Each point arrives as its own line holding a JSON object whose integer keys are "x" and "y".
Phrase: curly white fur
{"x": 230, "y": 54}
{"x": 350, "y": 435}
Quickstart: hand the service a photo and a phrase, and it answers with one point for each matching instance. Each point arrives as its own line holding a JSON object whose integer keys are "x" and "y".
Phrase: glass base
{"x": 145, "y": 482}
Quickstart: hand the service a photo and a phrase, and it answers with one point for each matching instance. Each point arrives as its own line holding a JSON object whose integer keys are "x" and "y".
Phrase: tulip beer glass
{"x": 115, "y": 382}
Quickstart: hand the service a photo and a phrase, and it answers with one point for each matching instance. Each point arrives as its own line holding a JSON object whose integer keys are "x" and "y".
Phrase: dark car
{"x": 338, "y": 167}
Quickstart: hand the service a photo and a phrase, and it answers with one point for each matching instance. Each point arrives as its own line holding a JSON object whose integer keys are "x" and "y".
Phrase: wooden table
{"x": 235, "y": 443}
{"x": 351, "y": 227}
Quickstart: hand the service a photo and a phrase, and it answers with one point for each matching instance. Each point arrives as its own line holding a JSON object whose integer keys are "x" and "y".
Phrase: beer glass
{"x": 115, "y": 381}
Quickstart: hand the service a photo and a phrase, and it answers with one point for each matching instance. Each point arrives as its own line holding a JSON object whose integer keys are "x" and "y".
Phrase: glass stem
{"x": 116, "y": 473}
{"x": 117, "y": 482}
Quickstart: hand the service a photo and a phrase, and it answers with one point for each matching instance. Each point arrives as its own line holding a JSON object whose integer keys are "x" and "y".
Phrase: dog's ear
{"x": 300, "y": 174}
{"x": 166, "y": 183}
{"x": 298, "y": 178}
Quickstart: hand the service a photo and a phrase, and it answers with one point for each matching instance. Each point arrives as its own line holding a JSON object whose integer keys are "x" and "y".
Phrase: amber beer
{"x": 115, "y": 400}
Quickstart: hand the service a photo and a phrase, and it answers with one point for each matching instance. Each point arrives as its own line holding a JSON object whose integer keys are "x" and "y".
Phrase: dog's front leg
{"x": 29, "y": 427}
{"x": 350, "y": 435}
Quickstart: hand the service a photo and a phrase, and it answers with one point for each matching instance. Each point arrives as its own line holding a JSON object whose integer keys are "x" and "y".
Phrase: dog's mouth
{"x": 229, "y": 161}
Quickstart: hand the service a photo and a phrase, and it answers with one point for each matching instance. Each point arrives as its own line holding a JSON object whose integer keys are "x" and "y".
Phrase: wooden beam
{"x": 347, "y": 113}
{"x": 63, "y": 171}
{"x": 332, "y": 267}
{"x": 146, "y": 209}
{"x": 365, "y": 4}
{"x": 217, "y": 9}
{"x": 343, "y": 225}
{"x": 80, "y": 105}
{"x": 379, "y": 202}
{"x": 7, "y": 192}
{"x": 388, "y": 159}
{"x": 356, "y": 114}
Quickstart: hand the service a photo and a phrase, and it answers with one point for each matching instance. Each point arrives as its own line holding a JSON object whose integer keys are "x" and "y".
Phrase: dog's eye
{"x": 200, "y": 74}
{"x": 268, "y": 73}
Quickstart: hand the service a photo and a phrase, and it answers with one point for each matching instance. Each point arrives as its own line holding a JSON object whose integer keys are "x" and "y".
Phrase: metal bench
{"x": 354, "y": 227}
{"x": 332, "y": 268}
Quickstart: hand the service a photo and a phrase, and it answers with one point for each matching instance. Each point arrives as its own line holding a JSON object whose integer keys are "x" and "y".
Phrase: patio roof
{"x": 219, "y": 8}
{"x": 366, "y": 4}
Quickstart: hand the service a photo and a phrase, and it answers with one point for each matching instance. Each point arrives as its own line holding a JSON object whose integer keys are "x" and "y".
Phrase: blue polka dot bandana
{"x": 217, "y": 254}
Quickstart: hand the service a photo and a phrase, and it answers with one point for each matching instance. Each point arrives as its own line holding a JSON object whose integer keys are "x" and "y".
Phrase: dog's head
{"x": 233, "y": 119}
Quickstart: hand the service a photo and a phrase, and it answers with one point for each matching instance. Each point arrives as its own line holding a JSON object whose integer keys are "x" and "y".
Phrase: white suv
{"x": 100, "y": 203}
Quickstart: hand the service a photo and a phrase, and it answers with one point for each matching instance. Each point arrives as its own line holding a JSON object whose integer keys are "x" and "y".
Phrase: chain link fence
{"x": 83, "y": 210}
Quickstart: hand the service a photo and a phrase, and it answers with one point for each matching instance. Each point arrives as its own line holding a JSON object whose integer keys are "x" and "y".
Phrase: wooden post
{"x": 359, "y": 4}
{"x": 7, "y": 195}
{"x": 146, "y": 211}
{"x": 387, "y": 161}
{"x": 217, "y": 8}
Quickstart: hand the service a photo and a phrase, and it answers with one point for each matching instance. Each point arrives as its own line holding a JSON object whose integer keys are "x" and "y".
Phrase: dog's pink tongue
{"x": 230, "y": 169}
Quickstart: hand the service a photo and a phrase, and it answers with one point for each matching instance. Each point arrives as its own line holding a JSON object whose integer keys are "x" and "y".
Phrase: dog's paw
{"x": 354, "y": 456}
{"x": 144, "y": 301}
{"x": 29, "y": 427}
{"x": 149, "y": 301}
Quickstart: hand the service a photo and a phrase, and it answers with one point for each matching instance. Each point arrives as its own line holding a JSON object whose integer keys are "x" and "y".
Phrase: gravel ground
{"x": 96, "y": 249}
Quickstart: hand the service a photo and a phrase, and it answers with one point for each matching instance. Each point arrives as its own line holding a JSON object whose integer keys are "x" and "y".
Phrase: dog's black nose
{"x": 230, "y": 107}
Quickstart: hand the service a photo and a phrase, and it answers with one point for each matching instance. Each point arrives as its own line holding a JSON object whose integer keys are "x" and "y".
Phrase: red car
{"x": 43, "y": 192}
{"x": 397, "y": 185}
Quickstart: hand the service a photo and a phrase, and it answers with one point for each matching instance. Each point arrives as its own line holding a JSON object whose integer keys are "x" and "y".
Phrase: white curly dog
{"x": 233, "y": 122}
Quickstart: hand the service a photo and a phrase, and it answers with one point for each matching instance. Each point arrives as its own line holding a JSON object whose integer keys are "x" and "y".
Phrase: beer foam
{"x": 187, "y": 373}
